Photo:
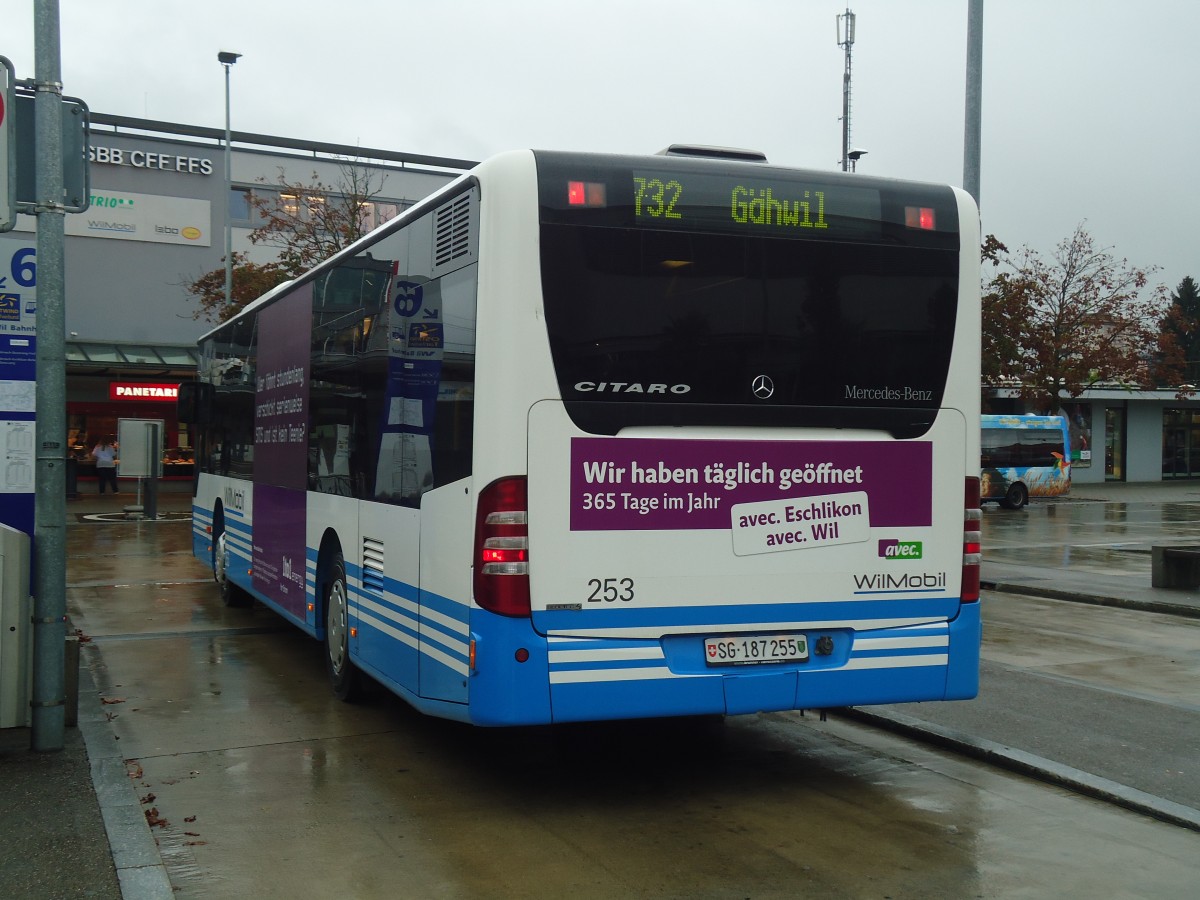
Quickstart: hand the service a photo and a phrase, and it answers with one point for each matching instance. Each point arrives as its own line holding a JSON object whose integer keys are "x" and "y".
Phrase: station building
{"x": 156, "y": 222}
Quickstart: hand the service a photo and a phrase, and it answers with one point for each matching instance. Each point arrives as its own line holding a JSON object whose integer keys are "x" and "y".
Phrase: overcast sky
{"x": 1089, "y": 106}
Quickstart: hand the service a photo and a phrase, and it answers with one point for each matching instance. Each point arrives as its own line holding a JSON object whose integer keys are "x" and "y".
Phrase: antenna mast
{"x": 845, "y": 33}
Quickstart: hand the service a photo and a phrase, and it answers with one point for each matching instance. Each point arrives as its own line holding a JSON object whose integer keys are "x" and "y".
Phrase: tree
{"x": 1179, "y": 340}
{"x": 1005, "y": 314}
{"x": 303, "y": 223}
{"x": 1062, "y": 325}
{"x": 248, "y": 282}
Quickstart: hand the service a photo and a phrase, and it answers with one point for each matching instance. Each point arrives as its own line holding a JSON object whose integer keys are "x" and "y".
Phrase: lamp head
{"x": 228, "y": 59}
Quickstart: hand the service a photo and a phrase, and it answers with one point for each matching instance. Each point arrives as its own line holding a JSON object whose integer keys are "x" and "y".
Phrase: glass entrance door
{"x": 1114, "y": 444}
{"x": 1181, "y": 443}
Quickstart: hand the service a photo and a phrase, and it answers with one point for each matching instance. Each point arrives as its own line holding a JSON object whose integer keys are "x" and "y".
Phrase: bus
{"x": 1024, "y": 456}
{"x": 583, "y": 437}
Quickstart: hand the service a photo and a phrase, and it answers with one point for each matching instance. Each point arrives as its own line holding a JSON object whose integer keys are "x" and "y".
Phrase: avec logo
{"x": 893, "y": 549}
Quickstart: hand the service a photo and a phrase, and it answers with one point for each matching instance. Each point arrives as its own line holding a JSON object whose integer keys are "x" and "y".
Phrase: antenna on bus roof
{"x": 713, "y": 152}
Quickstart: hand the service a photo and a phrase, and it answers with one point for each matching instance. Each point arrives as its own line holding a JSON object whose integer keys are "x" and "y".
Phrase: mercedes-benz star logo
{"x": 763, "y": 387}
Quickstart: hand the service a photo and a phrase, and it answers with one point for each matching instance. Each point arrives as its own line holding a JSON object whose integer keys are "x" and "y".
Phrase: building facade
{"x": 157, "y": 220}
{"x": 1124, "y": 434}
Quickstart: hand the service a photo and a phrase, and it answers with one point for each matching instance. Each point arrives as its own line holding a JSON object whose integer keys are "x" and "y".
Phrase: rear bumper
{"x": 592, "y": 679}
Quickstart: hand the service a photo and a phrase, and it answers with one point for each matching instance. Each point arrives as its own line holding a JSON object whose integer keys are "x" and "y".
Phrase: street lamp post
{"x": 227, "y": 59}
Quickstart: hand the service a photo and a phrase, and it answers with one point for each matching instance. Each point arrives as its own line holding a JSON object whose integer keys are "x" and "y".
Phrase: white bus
{"x": 590, "y": 437}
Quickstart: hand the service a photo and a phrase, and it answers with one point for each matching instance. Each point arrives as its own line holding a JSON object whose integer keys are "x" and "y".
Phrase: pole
{"x": 228, "y": 188}
{"x": 154, "y": 457}
{"x": 48, "y": 706}
{"x": 846, "y": 39}
{"x": 972, "y": 137}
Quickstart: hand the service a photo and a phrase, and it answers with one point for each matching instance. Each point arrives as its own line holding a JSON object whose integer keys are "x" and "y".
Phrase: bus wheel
{"x": 231, "y": 594}
{"x": 1017, "y": 496}
{"x": 344, "y": 678}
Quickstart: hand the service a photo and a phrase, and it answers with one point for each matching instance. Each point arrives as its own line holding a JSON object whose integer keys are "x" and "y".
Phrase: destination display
{"x": 702, "y": 200}
{"x": 721, "y": 196}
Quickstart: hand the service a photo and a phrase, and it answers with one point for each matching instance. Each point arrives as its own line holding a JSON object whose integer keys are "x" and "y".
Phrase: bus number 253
{"x": 610, "y": 590}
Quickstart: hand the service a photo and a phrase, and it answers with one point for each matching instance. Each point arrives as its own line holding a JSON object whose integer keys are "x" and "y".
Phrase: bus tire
{"x": 345, "y": 680}
{"x": 231, "y": 595}
{"x": 1017, "y": 496}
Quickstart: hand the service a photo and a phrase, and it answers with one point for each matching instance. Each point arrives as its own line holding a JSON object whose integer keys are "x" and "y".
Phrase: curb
{"x": 1156, "y": 606}
{"x": 140, "y": 869}
{"x": 1030, "y": 765}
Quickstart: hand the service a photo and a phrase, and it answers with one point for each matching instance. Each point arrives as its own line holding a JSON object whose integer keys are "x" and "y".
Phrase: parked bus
{"x": 588, "y": 437}
{"x": 1023, "y": 457}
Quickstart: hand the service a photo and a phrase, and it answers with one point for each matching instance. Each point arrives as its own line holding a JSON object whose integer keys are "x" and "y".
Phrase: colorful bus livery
{"x": 1024, "y": 456}
{"x": 557, "y": 445}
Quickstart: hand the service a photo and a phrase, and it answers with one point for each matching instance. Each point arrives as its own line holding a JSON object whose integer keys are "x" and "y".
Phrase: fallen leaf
{"x": 110, "y": 700}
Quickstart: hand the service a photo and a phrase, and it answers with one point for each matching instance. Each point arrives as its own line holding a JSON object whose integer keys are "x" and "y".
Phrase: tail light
{"x": 972, "y": 541}
{"x": 502, "y": 548}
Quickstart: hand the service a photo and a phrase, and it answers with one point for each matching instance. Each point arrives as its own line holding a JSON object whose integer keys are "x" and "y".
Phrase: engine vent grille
{"x": 372, "y": 566}
{"x": 452, "y": 233}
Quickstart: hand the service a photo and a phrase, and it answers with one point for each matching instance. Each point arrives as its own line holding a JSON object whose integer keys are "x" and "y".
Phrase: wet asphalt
{"x": 72, "y": 823}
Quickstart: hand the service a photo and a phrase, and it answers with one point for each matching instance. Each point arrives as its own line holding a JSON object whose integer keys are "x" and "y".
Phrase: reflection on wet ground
{"x": 1091, "y": 524}
{"x": 1099, "y": 539}
{"x": 1115, "y": 560}
{"x": 266, "y": 786}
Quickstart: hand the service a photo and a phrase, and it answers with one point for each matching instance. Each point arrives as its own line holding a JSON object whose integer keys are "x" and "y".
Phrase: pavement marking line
{"x": 123, "y": 519}
{"x": 1031, "y": 765}
{"x": 109, "y": 584}
{"x": 205, "y": 633}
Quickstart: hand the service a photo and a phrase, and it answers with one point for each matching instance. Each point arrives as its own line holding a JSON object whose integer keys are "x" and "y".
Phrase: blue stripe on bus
{"x": 640, "y": 688}
{"x": 583, "y": 676}
{"x": 718, "y": 615}
{"x": 683, "y": 655}
{"x": 906, "y": 591}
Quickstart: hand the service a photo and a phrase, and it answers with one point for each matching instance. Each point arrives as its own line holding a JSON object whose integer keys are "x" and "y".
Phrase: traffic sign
{"x": 8, "y": 162}
{"x": 76, "y": 184}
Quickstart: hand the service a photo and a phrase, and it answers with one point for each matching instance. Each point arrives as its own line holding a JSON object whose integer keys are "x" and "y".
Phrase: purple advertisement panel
{"x": 281, "y": 449}
{"x": 281, "y": 392}
{"x": 622, "y": 484}
{"x": 279, "y": 547}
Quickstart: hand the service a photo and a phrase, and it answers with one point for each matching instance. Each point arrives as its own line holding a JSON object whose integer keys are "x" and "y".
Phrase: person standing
{"x": 105, "y": 454}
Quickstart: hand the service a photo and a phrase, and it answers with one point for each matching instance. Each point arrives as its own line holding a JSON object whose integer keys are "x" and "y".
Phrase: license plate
{"x": 746, "y": 649}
